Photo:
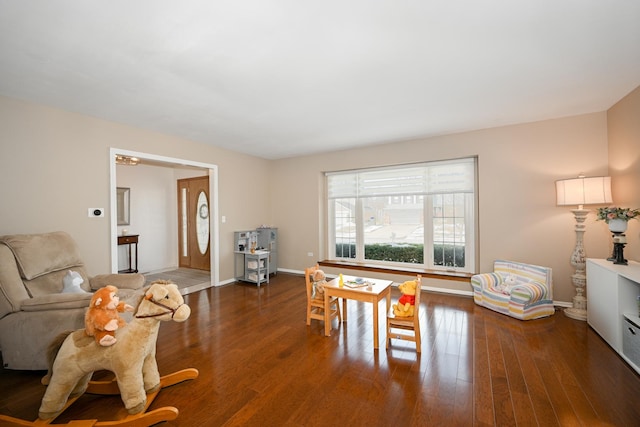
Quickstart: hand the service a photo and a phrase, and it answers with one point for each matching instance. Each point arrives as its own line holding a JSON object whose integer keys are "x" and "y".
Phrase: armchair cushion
{"x": 44, "y": 259}
{"x": 530, "y": 298}
{"x": 39, "y": 254}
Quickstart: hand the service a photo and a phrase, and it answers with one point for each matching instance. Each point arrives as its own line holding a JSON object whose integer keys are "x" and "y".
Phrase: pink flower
{"x": 613, "y": 212}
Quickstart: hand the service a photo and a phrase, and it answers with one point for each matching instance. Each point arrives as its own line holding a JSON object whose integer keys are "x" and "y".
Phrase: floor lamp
{"x": 581, "y": 191}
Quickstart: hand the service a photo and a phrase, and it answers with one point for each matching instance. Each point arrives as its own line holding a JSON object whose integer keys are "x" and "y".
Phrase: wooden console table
{"x": 130, "y": 240}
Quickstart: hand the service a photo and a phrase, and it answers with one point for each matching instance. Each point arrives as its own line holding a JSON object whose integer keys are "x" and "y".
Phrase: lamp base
{"x": 579, "y": 309}
{"x": 576, "y": 313}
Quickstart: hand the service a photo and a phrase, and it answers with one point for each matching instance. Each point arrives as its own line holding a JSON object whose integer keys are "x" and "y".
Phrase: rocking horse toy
{"x": 76, "y": 356}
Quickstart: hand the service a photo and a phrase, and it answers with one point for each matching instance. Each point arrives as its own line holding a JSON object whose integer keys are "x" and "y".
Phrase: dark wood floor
{"x": 261, "y": 365}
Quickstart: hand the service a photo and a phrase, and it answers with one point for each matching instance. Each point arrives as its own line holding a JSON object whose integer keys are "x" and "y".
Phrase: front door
{"x": 193, "y": 223}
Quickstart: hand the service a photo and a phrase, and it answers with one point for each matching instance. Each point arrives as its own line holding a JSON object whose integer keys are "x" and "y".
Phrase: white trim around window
{"x": 419, "y": 215}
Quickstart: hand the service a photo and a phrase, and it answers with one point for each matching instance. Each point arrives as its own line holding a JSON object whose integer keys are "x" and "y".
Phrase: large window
{"x": 421, "y": 215}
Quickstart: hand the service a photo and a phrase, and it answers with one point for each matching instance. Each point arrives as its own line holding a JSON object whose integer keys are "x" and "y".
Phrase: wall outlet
{"x": 309, "y": 253}
{"x": 96, "y": 212}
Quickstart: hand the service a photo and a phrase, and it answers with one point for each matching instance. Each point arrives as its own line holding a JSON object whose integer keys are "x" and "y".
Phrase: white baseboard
{"x": 562, "y": 304}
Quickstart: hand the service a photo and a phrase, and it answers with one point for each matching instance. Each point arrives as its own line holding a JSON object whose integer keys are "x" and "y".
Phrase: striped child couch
{"x": 523, "y": 291}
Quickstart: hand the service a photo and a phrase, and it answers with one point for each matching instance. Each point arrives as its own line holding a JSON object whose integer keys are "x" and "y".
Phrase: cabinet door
{"x": 268, "y": 239}
{"x": 602, "y": 303}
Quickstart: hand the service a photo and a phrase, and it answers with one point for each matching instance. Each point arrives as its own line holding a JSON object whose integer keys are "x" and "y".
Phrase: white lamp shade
{"x": 584, "y": 191}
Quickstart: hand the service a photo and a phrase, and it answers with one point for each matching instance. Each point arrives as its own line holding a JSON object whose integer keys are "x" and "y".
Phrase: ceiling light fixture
{"x": 126, "y": 160}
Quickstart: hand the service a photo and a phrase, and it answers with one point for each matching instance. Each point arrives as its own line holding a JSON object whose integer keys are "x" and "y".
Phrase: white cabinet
{"x": 612, "y": 296}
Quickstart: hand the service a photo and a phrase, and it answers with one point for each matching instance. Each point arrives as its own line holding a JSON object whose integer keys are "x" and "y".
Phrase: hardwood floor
{"x": 260, "y": 365}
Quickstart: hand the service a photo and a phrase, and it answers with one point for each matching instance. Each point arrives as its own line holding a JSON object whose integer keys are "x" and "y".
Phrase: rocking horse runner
{"x": 132, "y": 359}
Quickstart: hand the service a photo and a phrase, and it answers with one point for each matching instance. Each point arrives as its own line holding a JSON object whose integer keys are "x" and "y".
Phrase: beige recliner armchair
{"x": 33, "y": 308}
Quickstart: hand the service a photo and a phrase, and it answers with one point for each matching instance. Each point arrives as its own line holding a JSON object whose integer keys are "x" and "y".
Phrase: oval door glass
{"x": 202, "y": 223}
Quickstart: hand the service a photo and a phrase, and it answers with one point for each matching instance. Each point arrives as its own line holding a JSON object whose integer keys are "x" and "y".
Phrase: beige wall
{"x": 55, "y": 164}
{"x": 624, "y": 162}
{"x": 518, "y": 218}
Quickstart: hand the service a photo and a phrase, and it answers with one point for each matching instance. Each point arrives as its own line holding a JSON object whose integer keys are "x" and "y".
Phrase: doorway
{"x": 170, "y": 162}
{"x": 193, "y": 223}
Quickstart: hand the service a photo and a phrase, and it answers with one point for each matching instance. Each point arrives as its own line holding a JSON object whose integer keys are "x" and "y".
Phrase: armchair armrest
{"x": 485, "y": 281}
{"x": 56, "y": 302}
{"x": 530, "y": 292}
{"x": 120, "y": 281}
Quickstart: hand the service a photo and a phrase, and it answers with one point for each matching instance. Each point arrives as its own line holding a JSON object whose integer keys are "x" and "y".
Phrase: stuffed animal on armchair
{"x": 102, "y": 318}
{"x": 71, "y": 283}
{"x": 507, "y": 285}
{"x": 406, "y": 304}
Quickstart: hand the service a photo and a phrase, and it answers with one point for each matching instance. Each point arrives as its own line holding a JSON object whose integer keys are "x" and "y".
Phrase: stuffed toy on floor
{"x": 407, "y": 302}
{"x": 74, "y": 357}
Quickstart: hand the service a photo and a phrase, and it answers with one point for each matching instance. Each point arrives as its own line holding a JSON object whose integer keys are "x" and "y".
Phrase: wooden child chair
{"x": 406, "y": 328}
{"x": 315, "y": 304}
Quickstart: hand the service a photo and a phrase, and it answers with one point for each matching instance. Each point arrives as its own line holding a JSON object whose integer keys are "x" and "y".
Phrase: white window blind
{"x": 416, "y": 179}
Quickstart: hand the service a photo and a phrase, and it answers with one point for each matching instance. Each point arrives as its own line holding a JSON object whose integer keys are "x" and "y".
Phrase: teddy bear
{"x": 102, "y": 318}
{"x": 71, "y": 283}
{"x": 319, "y": 279}
{"x": 406, "y": 303}
{"x": 507, "y": 285}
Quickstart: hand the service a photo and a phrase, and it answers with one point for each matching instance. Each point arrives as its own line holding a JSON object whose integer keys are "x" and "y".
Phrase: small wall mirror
{"x": 122, "y": 202}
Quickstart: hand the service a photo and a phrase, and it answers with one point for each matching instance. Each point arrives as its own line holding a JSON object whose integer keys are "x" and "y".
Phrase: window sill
{"x": 434, "y": 274}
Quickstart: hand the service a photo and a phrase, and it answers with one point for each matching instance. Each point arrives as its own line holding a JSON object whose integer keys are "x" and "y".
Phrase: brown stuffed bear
{"x": 319, "y": 280}
{"x": 102, "y": 319}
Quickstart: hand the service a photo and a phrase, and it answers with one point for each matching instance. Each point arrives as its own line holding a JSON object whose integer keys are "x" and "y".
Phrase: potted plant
{"x": 617, "y": 217}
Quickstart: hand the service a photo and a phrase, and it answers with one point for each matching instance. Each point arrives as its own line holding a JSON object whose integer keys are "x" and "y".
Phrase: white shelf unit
{"x": 612, "y": 296}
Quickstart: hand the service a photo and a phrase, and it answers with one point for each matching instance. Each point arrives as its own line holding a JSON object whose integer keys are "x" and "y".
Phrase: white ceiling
{"x": 283, "y": 78}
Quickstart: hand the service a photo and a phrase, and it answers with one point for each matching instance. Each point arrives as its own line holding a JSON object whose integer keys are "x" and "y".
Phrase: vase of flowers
{"x": 617, "y": 225}
{"x": 612, "y": 213}
{"x": 617, "y": 219}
